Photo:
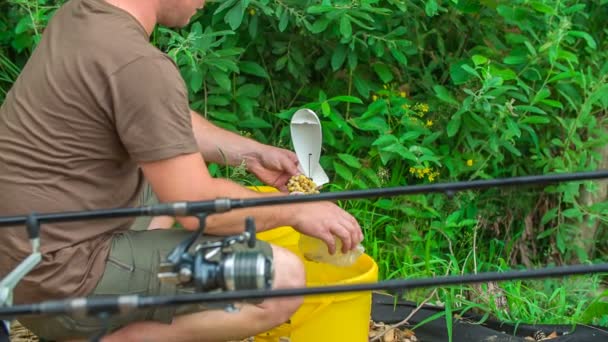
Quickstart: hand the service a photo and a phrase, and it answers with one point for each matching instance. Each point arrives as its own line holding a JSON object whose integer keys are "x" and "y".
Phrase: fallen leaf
{"x": 407, "y": 333}
{"x": 550, "y": 336}
{"x": 390, "y": 336}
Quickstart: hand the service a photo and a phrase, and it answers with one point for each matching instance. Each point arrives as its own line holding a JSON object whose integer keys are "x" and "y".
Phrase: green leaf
{"x": 453, "y": 125}
{"x": 224, "y": 5}
{"x": 597, "y": 309}
{"x": 319, "y": 9}
{"x": 284, "y": 21}
{"x": 444, "y": 95}
{"x": 374, "y": 123}
{"x": 345, "y": 98}
{"x": 196, "y": 79}
{"x": 254, "y": 122}
{"x": 384, "y": 72}
{"x": 362, "y": 85}
{"x": 371, "y": 175}
{"x": 343, "y": 171}
{"x": 338, "y": 57}
{"x": 253, "y": 26}
{"x": 320, "y": 25}
{"x": 531, "y": 109}
{"x": 218, "y": 101}
{"x": 479, "y": 59}
{"x": 542, "y": 94}
{"x": 221, "y": 78}
{"x": 515, "y": 60}
{"x": 549, "y": 215}
{"x": 410, "y": 135}
{"x": 346, "y": 28}
{"x": 457, "y": 73}
{"x": 24, "y": 24}
{"x": 250, "y": 90}
{"x": 385, "y": 140}
{"x": 575, "y": 8}
{"x": 512, "y": 128}
{"x": 470, "y": 70}
{"x": 535, "y": 119}
{"x": 350, "y": 160}
{"x": 234, "y": 17}
{"x": 572, "y": 213}
{"x": 431, "y": 7}
{"x": 401, "y": 151}
{"x": 399, "y": 56}
{"x": 586, "y": 36}
{"x": 540, "y": 7}
{"x": 253, "y": 68}
{"x": 552, "y": 103}
{"x": 507, "y": 145}
{"x": 562, "y": 76}
{"x": 325, "y": 108}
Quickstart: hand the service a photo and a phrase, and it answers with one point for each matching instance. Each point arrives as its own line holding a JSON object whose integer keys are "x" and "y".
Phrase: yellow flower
{"x": 424, "y": 107}
{"x": 470, "y": 162}
{"x": 429, "y": 123}
{"x": 412, "y": 170}
{"x": 403, "y": 94}
{"x": 252, "y": 11}
{"x": 431, "y": 178}
{"x": 374, "y": 97}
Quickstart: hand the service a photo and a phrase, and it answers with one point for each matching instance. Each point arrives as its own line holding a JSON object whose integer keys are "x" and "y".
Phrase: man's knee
{"x": 289, "y": 269}
{"x": 289, "y": 273}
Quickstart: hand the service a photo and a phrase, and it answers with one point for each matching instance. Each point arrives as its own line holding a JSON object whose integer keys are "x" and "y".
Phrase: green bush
{"x": 413, "y": 92}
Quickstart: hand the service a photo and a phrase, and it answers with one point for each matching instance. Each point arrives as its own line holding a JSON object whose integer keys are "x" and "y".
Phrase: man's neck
{"x": 142, "y": 11}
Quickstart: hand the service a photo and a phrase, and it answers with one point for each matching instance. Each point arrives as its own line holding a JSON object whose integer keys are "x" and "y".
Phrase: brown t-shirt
{"x": 94, "y": 99}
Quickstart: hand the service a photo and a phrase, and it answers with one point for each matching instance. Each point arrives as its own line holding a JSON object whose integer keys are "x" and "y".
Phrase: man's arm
{"x": 186, "y": 178}
{"x": 221, "y": 146}
{"x": 272, "y": 165}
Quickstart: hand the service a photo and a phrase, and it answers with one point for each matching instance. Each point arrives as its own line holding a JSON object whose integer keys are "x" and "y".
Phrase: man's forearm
{"x": 221, "y": 146}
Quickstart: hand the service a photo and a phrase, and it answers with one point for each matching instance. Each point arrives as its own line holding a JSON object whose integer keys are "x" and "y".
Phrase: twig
{"x": 406, "y": 320}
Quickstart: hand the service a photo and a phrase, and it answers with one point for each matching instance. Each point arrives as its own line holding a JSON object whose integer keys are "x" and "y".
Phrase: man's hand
{"x": 324, "y": 220}
{"x": 273, "y": 166}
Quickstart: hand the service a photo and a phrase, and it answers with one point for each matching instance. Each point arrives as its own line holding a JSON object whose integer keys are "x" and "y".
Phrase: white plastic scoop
{"x": 306, "y": 137}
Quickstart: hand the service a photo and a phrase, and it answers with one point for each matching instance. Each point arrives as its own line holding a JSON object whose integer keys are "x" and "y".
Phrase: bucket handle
{"x": 320, "y": 307}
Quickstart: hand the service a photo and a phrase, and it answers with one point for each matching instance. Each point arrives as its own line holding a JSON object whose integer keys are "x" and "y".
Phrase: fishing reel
{"x": 216, "y": 265}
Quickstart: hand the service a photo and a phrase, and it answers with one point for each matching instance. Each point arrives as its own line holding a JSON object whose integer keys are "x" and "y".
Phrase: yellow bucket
{"x": 332, "y": 317}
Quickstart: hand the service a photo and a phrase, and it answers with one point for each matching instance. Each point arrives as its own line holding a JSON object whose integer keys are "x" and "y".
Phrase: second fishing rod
{"x": 220, "y": 205}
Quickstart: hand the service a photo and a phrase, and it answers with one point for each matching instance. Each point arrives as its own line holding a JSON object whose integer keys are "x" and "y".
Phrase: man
{"x": 95, "y": 114}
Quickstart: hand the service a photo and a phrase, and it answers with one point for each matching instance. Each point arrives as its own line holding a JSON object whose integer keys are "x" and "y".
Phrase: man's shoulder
{"x": 95, "y": 32}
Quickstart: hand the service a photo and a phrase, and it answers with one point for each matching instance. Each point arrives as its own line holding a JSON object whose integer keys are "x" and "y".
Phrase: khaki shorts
{"x": 131, "y": 269}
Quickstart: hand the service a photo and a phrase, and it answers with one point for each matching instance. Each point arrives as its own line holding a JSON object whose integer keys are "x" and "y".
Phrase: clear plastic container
{"x": 315, "y": 250}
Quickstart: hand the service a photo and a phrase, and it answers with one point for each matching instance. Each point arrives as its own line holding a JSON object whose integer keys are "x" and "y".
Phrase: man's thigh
{"x": 131, "y": 269}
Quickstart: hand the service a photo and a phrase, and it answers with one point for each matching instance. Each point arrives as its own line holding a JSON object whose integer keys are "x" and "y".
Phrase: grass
{"x": 8, "y": 74}
{"x": 405, "y": 248}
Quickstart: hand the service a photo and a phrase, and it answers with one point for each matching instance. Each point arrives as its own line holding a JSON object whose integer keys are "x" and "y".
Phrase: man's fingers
{"x": 291, "y": 166}
{"x": 330, "y": 242}
{"x": 353, "y": 227}
{"x": 344, "y": 234}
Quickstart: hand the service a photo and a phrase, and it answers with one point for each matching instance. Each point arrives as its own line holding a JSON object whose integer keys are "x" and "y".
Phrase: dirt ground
{"x": 20, "y": 334}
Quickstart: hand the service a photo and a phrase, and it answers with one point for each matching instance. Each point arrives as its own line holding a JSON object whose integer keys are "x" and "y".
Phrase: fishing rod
{"x": 126, "y": 303}
{"x": 188, "y": 208}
